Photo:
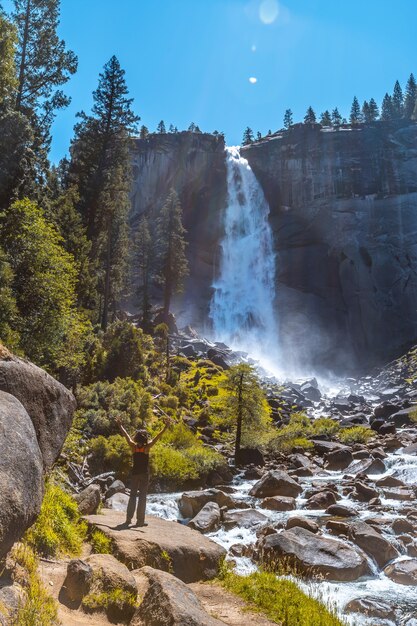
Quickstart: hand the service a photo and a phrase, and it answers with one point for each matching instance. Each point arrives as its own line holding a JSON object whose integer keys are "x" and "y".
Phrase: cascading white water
{"x": 242, "y": 307}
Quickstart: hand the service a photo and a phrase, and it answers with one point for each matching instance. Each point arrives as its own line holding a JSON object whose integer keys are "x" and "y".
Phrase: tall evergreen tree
{"x": 8, "y": 77}
{"x": 373, "y": 110}
{"x": 326, "y": 119}
{"x": 397, "y": 101}
{"x": 43, "y": 64}
{"x": 161, "y": 127}
{"x": 258, "y": 136}
{"x": 9, "y": 320}
{"x": 171, "y": 244}
{"x": 366, "y": 112}
{"x": 336, "y": 118}
{"x": 144, "y": 270}
{"x": 387, "y": 109}
{"x": 288, "y": 118}
{"x": 144, "y": 132}
{"x": 410, "y": 98}
{"x": 247, "y": 136}
{"x": 101, "y": 168}
{"x": 355, "y": 112}
{"x": 310, "y": 116}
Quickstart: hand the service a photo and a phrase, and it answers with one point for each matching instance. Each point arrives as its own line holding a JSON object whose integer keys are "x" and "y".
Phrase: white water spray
{"x": 242, "y": 307}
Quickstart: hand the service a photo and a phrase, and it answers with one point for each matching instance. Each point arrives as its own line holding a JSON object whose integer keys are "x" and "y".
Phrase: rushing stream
{"x": 242, "y": 308}
{"x": 377, "y": 585}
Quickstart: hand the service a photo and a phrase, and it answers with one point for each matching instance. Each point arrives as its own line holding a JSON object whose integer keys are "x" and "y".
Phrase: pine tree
{"x": 397, "y": 101}
{"x": 144, "y": 132}
{"x": 373, "y": 110}
{"x": 410, "y": 99}
{"x": 43, "y": 63}
{"x": 9, "y": 320}
{"x": 171, "y": 260}
{"x": 387, "y": 109}
{"x": 310, "y": 116}
{"x": 288, "y": 118}
{"x": 171, "y": 128}
{"x": 8, "y": 77}
{"x": 246, "y": 405}
{"x": 161, "y": 127}
{"x": 101, "y": 168}
{"x": 355, "y": 112}
{"x": 326, "y": 119}
{"x": 248, "y": 137}
{"x": 192, "y": 128}
{"x": 144, "y": 270}
{"x": 336, "y": 118}
{"x": 258, "y": 136}
{"x": 366, "y": 112}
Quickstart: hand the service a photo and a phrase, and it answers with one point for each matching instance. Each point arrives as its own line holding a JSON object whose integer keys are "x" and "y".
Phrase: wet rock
{"x": 276, "y": 483}
{"x": 246, "y": 518}
{"x": 364, "y": 492}
{"x": 410, "y": 449}
{"x": 371, "y": 607}
{"x": 302, "y": 522}
{"x": 278, "y": 503}
{"x": 78, "y": 581}
{"x": 400, "y": 526}
{"x": 88, "y": 499}
{"x": 337, "y": 527}
{"x": 207, "y": 519}
{"x": 372, "y": 543}
{"x": 338, "y": 459}
{"x": 311, "y": 392}
{"x": 326, "y": 447}
{"x": 191, "y": 502}
{"x": 390, "y": 481}
{"x": 403, "y": 572}
{"x": 399, "y": 493}
{"x": 253, "y": 473}
{"x": 388, "y": 429}
{"x": 386, "y": 409}
{"x": 339, "y": 510}
{"x": 165, "y": 600}
{"x": 321, "y": 500}
{"x": 402, "y": 418}
{"x": 311, "y": 554}
{"x": 366, "y": 466}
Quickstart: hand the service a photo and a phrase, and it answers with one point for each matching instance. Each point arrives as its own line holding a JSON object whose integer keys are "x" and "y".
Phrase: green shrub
{"x": 109, "y": 600}
{"x": 124, "y": 352}
{"x": 280, "y": 599}
{"x": 37, "y": 608}
{"x": 59, "y": 529}
{"x": 100, "y": 543}
{"x": 109, "y": 454}
{"x": 325, "y": 426}
{"x": 292, "y": 435}
{"x": 356, "y": 434}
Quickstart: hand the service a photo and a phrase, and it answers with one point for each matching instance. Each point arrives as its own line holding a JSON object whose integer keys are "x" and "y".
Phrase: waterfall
{"x": 242, "y": 306}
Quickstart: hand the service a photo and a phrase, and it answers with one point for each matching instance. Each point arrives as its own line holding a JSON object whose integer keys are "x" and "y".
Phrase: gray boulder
{"x": 191, "y": 502}
{"x": 403, "y": 572}
{"x": 372, "y": 542}
{"x": 207, "y": 519}
{"x": 246, "y": 518}
{"x": 49, "y": 404}
{"x": 315, "y": 555}
{"x": 279, "y": 503}
{"x": 321, "y": 500}
{"x": 21, "y": 472}
{"x": 371, "y": 607}
{"x": 88, "y": 499}
{"x": 276, "y": 483}
{"x": 77, "y": 582}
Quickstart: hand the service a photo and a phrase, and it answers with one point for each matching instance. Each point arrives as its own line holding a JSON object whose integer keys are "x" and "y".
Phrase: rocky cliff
{"x": 194, "y": 165}
{"x": 344, "y": 216}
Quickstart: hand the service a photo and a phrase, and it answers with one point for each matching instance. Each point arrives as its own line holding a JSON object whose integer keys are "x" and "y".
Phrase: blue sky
{"x": 191, "y": 60}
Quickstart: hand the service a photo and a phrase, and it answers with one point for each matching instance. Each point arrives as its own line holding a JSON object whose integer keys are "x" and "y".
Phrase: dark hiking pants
{"x": 138, "y": 484}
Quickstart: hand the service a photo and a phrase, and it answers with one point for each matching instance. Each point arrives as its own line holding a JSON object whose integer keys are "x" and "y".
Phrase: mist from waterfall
{"x": 242, "y": 306}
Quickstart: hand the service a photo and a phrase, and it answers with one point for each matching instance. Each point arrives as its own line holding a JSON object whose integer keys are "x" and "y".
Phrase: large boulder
{"x": 167, "y": 601}
{"x": 88, "y": 499}
{"x": 169, "y": 546}
{"x": 207, "y": 519}
{"x": 372, "y": 542}
{"x": 111, "y": 578}
{"x": 77, "y": 582}
{"x": 21, "y": 472}
{"x": 403, "y": 572}
{"x": 321, "y": 500}
{"x": 191, "y": 502}
{"x": 371, "y": 607}
{"x": 315, "y": 555}
{"x": 49, "y": 404}
{"x": 276, "y": 483}
{"x": 246, "y": 518}
{"x": 338, "y": 459}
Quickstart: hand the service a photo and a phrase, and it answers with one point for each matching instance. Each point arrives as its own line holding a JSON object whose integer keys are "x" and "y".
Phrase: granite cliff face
{"x": 194, "y": 165}
{"x": 344, "y": 217}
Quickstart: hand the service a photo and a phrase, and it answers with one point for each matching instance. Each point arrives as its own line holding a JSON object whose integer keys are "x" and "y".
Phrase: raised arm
{"x": 125, "y": 433}
{"x": 168, "y": 423}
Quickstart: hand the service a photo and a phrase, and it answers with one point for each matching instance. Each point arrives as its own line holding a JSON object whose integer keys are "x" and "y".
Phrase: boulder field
{"x": 35, "y": 416}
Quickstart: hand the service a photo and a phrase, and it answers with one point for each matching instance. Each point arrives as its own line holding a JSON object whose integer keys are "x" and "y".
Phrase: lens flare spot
{"x": 253, "y": 48}
{"x": 253, "y": 80}
{"x": 268, "y": 11}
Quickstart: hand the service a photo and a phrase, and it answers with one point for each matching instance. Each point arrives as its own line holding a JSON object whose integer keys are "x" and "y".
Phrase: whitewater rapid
{"x": 242, "y": 306}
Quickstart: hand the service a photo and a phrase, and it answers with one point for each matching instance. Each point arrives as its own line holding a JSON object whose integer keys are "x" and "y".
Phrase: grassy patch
{"x": 59, "y": 528}
{"x": 292, "y": 435}
{"x": 107, "y": 600}
{"x": 280, "y": 599}
{"x": 356, "y": 434}
{"x": 38, "y": 608}
{"x": 100, "y": 543}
